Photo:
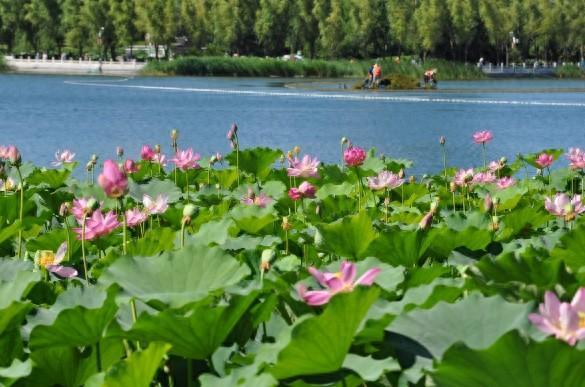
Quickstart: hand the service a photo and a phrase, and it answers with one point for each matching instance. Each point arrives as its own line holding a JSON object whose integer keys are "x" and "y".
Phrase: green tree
{"x": 12, "y": 15}
{"x": 272, "y": 25}
{"x": 432, "y": 23}
{"x": 123, "y": 16}
{"x": 304, "y": 27}
{"x": 464, "y": 17}
{"x": 372, "y": 27}
{"x": 75, "y": 31}
{"x": 401, "y": 24}
{"x": 96, "y": 18}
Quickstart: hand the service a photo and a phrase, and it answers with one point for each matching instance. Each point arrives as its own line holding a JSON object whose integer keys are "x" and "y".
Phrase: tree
{"x": 304, "y": 27}
{"x": 12, "y": 15}
{"x": 123, "y": 15}
{"x": 372, "y": 27}
{"x": 96, "y": 18}
{"x": 151, "y": 21}
{"x": 402, "y": 29}
{"x": 272, "y": 24}
{"x": 75, "y": 31}
{"x": 432, "y": 23}
{"x": 464, "y": 20}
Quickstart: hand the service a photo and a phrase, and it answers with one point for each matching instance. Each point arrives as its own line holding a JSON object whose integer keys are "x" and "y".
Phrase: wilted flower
{"x": 63, "y": 157}
{"x": 340, "y": 282}
{"x": 426, "y": 221}
{"x": 155, "y": 206}
{"x": 186, "y": 159}
{"x": 113, "y": 180}
{"x": 544, "y": 160}
{"x": 385, "y": 180}
{"x": 305, "y": 167}
{"x": 354, "y": 156}
{"x": 261, "y": 200}
{"x": 98, "y": 225}
{"x": 564, "y": 206}
{"x": 135, "y": 217}
{"x": 482, "y": 137}
{"x": 51, "y": 261}
{"x": 564, "y": 320}
{"x": 147, "y": 153}
{"x": 576, "y": 158}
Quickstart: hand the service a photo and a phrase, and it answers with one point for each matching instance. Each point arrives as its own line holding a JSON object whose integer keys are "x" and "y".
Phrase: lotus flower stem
{"x": 484, "y": 155}
{"x": 209, "y": 175}
{"x": 189, "y": 373}
{"x": 454, "y": 207}
{"x": 386, "y": 201}
{"x": 286, "y": 241}
{"x": 83, "y": 247}
{"x": 68, "y": 239}
{"x": 238, "y": 158}
{"x": 444, "y": 161}
{"x": 582, "y": 184}
{"x": 134, "y": 317}
{"x": 183, "y": 234}
{"x": 20, "y": 211}
{"x": 98, "y": 357}
{"x": 124, "y": 227}
{"x": 187, "y": 185}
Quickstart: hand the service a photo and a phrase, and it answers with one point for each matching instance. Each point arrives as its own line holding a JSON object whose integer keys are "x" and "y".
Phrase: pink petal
{"x": 318, "y": 275}
{"x": 578, "y": 302}
{"x": 61, "y": 251}
{"x": 317, "y": 297}
{"x": 348, "y": 272}
{"x": 368, "y": 277}
{"x": 551, "y": 306}
{"x": 62, "y": 271}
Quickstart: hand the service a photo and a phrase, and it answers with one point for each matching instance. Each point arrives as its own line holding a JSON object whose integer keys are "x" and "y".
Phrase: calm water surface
{"x": 93, "y": 115}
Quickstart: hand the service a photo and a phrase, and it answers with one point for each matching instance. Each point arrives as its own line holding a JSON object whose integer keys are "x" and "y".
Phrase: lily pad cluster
{"x": 270, "y": 268}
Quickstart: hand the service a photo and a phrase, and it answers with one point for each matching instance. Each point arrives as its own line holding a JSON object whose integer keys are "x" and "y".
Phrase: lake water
{"x": 95, "y": 114}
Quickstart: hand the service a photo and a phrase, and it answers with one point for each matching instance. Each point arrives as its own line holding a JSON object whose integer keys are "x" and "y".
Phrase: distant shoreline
{"x": 72, "y": 67}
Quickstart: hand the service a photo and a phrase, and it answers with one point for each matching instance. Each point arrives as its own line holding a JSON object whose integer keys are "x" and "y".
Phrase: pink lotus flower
{"x": 463, "y": 177}
{"x": 305, "y": 190}
{"x": 98, "y": 225}
{"x": 544, "y": 160}
{"x": 84, "y": 207}
{"x": 306, "y": 167}
{"x": 113, "y": 181}
{"x": 564, "y": 320}
{"x": 51, "y": 261}
{"x": 354, "y": 156}
{"x": 160, "y": 159}
{"x": 483, "y": 178}
{"x": 63, "y": 157}
{"x": 576, "y": 158}
{"x": 155, "y": 206}
{"x": 135, "y": 217}
{"x": 564, "y": 206}
{"x": 340, "y": 282}
{"x": 186, "y": 159}
{"x": 147, "y": 153}
{"x": 130, "y": 166}
{"x": 505, "y": 182}
{"x": 261, "y": 200}
{"x": 385, "y": 180}
{"x": 482, "y": 137}
{"x": 495, "y": 166}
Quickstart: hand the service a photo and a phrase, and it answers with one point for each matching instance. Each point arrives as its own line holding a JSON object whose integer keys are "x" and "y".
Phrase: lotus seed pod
{"x": 92, "y": 204}
{"x": 344, "y": 140}
{"x": 286, "y": 224}
{"x": 503, "y": 160}
{"x": 94, "y": 159}
{"x": 157, "y": 148}
{"x": 189, "y": 210}
{"x": 452, "y": 186}
{"x": 174, "y": 135}
{"x": 442, "y": 140}
{"x": 401, "y": 173}
{"x": 297, "y": 150}
{"x": 268, "y": 255}
{"x": 412, "y": 179}
{"x": 119, "y": 151}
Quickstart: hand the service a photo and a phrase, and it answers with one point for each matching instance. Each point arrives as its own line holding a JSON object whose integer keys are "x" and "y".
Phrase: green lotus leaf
{"x": 372, "y": 163}
{"x": 522, "y": 220}
{"x": 86, "y": 190}
{"x": 252, "y": 219}
{"x": 256, "y": 161}
{"x": 343, "y": 189}
{"x": 214, "y": 232}
{"x": 15, "y": 284}
{"x": 176, "y": 278}
{"x": 512, "y": 361}
{"x": 138, "y": 370}
{"x": 244, "y": 376}
{"x": 319, "y": 345}
{"x": 275, "y": 189}
{"x": 446, "y": 240}
{"x": 572, "y": 248}
{"x": 50, "y": 178}
{"x": 154, "y": 188}
{"x": 476, "y": 321}
{"x": 79, "y": 317}
{"x": 370, "y": 369}
{"x": 52, "y": 240}
{"x": 196, "y": 333}
{"x": 350, "y": 236}
{"x": 154, "y": 241}
{"x": 247, "y": 242}
{"x": 401, "y": 247}
{"x": 71, "y": 366}
{"x": 9, "y": 232}
{"x": 527, "y": 267}
{"x": 17, "y": 370}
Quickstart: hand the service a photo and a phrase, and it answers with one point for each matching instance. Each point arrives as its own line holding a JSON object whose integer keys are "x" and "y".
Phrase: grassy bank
{"x": 3, "y": 65}
{"x": 570, "y": 71}
{"x": 261, "y": 67}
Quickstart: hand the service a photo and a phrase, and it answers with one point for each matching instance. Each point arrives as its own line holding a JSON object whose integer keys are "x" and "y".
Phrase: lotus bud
{"x": 94, "y": 159}
{"x": 496, "y": 201}
{"x": 64, "y": 209}
{"x": 401, "y": 173}
{"x": 452, "y": 186}
{"x": 89, "y": 165}
{"x": 503, "y": 160}
{"x": 442, "y": 140}
{"x": 289, "y": 155}
{"x": 286, "y": 224}
{"x": 297, "y": 150}
{"x": 344, "y": 140}
{"x": 267, "y": 257}
{"x": 412, "y": 179}
{"x": 166, "y": 369}
{"x": 157, "y": 149}
{"x": 426, "y": 221}
{"x": 174, "y": 135}
{"x": 488, "y": 203}
{"x": 217, "y": 186}
{"x": 318, "y": 210}
{"x": 119, "y": 151}
{"x": 13, "y": 155}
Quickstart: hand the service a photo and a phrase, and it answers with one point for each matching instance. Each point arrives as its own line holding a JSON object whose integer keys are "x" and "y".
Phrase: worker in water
{"x": 377, "y": 74}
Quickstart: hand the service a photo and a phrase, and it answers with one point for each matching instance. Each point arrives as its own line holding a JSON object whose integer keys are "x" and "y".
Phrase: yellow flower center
{"x": 581, "y": 319}
{"x": 46, "y": 258}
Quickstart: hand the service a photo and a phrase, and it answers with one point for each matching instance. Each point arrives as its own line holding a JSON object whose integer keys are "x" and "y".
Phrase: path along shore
{"x": 74, "y": 67}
